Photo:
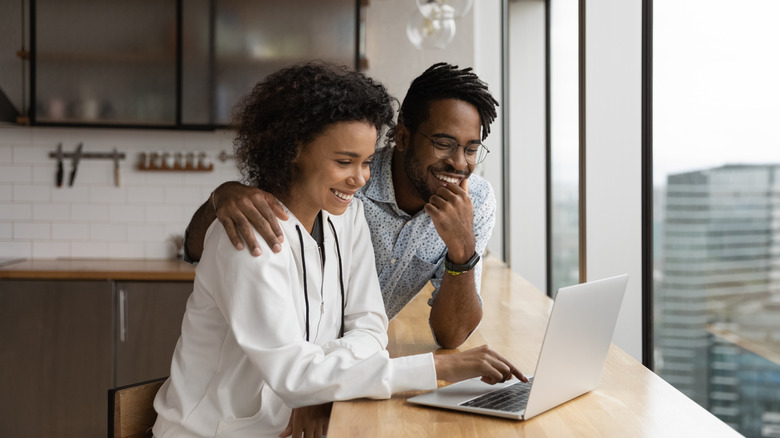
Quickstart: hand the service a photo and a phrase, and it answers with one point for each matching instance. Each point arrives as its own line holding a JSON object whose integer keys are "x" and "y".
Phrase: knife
{"x": 60, "y": 171}
{"x": 116, "y": 168}
{"x": 76, "y": 158}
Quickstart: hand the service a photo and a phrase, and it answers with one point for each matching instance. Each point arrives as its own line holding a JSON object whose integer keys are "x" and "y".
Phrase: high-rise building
{"x": 717, "y": 293}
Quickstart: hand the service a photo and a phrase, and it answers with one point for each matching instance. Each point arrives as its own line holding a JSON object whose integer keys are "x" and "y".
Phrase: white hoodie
{"x": 242, "y": 361}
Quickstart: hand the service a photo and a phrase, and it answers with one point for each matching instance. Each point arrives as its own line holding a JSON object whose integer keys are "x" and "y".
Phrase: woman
{"x": 305, "y": 326}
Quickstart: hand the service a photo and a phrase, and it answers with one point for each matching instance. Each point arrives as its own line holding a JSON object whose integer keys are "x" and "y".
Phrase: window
{"x": 716, "y": 234}
{"x": 564, "y": 144}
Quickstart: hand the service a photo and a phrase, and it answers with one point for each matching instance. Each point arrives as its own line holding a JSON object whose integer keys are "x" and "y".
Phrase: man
{"x": 430, "y": 218}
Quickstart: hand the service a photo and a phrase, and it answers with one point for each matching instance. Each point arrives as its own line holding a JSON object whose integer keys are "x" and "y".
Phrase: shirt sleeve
{"x": 255, "y": 296}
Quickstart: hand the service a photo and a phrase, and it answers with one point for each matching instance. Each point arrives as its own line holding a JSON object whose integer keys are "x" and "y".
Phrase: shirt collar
{"x": 380, "y": 186}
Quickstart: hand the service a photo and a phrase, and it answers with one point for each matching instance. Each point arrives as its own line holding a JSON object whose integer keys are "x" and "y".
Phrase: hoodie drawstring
{"x": 305, "y": 283}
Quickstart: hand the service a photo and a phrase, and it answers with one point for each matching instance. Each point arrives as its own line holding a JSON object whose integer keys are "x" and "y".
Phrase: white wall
{"x": 527, "y": 141}
{"x": 487, "y": 65}
{"x": 393, "y": 60}
{"x": 613, "y": 159}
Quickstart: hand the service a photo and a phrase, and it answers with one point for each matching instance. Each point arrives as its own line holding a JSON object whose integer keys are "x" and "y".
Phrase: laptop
{"x": 579, "y": 333}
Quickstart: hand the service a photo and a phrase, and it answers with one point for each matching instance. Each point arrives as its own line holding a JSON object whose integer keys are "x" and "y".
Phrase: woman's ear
{"x": 299, "y": 149}
{"x": 401, "y": 137}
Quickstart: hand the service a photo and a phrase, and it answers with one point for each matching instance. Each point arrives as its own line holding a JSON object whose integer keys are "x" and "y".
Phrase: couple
{"x": 269, "y": 339}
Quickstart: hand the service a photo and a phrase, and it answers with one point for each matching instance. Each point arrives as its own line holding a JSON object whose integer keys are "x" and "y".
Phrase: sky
{"x": 716, "y": 85}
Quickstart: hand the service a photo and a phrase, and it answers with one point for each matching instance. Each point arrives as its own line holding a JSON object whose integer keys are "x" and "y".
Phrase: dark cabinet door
{"x": 55, "y": 357}
{"x": 230, "y": 45}
{"x": 167, "y": 63}
{"x": 149, "y": 316}
{"x": 105, "y": 62}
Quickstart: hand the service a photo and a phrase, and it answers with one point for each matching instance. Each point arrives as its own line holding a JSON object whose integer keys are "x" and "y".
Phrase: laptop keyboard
{"x": 512, "y": 398}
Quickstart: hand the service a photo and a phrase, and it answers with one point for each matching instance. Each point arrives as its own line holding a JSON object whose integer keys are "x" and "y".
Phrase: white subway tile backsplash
{"x": 177, "y": 229}
{"x": 146, "y": 233}
{"x": 108, "y": 139}
{"x": 89, "y": 249}
{"x": 17, "y": 248}
{"x": 69, "y": 231}
{"x": 69, "y": 194}
{"x": 51, "y": 212}
{"x": 161, "y": 178}
{"x": 15, "y": 211}
{"x": 108, "y": 232}
{"x": 146, "y": 195}
{"x": 164, "y": 140}
{"x": 50, "y": 250}
{"x": 6, "y": 192}
{"x": 6, "y": 152}
{"x": 189, "y": 195}
{"x": 163, "y": 213}
{"x": 29, "y": 192}
{"x": 89, "y": 213}
{"x": 5, "y": 230}
{"x": 95, "y": 219}
{"x": 15, "y": 174}
{"x": 126, "y": 250}
{"x": 210, "y": 146}
{"x": 120, "y": 138}
{"x": 159, "y": 250}
{"x": 127, "y": 213}
{"x": 91, "y": 172}
{"x": 107, "y": 194}
{"x": 10, "y": 134}
{"x": 208, "y": 179}
{"x": 46, "y": 174}
{"x": 131, "y": 176}
{"x": 50, "y": 137}
{"x": 32, "y": 155}
{"x": 31, "y": 231}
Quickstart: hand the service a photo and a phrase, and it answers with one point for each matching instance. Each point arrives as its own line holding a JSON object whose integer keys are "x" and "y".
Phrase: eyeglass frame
{"x": 453, "y": 149}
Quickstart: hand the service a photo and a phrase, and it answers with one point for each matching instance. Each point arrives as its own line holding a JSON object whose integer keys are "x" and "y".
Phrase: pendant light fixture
{"x": 432, "y": 25}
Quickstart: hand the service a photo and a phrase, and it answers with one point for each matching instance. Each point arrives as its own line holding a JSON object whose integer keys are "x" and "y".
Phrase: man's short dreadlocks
{"x": 446, "y": 81}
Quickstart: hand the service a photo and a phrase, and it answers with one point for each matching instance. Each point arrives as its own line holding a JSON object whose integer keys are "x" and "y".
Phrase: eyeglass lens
{"x": 445, "y": 147}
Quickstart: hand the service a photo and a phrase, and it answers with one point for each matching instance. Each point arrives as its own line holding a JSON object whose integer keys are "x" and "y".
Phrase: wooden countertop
{"x": 630, "y": 401}
{"x": 98, "y": 269}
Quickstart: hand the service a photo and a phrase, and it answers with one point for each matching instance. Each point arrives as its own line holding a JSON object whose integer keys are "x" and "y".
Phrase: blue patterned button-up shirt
{"x": 408, "y": 249}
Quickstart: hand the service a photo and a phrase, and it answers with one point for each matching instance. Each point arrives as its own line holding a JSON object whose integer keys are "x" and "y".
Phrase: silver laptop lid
{"x": 579, "y": 333}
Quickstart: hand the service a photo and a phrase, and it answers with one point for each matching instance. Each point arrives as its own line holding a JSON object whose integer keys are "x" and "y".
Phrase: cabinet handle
{"x": 122, "y": 315}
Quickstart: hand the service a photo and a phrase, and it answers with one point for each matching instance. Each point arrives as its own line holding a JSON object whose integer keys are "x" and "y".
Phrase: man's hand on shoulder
{"x": 240, "y": 208}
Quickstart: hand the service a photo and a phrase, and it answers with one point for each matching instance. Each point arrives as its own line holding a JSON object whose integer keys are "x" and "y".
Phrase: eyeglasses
{"x": 444, "y": 147}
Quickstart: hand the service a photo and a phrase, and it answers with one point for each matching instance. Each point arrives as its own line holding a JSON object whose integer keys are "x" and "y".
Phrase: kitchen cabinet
{"x": 65, "y": 343}
{"x": 230, "y": 45}
{"x": 168, "y": 63}
{"x": 98, "y": 62}
{"x": 55, "y": 358}
{"x": 149, "y": 324}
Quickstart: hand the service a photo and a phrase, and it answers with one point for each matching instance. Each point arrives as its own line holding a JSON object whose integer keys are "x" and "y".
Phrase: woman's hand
{"x": 478, "y": 362}
{"x": 308, "y": 422}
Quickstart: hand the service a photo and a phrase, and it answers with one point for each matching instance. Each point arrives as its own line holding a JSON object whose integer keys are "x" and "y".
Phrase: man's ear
{"x": 401, "y": 137}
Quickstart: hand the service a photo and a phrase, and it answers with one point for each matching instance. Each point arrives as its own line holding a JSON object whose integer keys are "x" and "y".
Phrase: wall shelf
{"x": 175, "y": 168}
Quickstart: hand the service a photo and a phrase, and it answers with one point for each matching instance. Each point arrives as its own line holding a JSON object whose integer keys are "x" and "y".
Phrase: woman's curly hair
{"x": 291, "y": 107}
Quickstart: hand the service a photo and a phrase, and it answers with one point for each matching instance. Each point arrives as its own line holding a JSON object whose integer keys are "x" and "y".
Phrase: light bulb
{"x": 454, "y": 8}
{"x": 430, "y": 33}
